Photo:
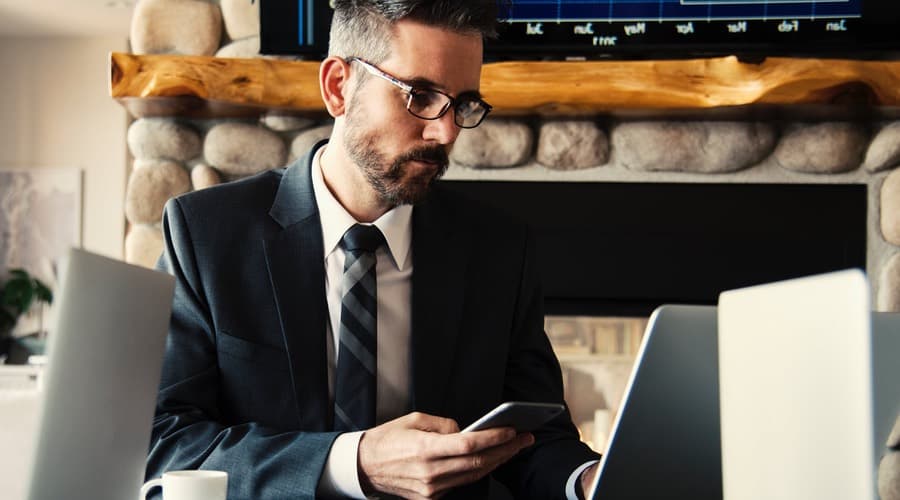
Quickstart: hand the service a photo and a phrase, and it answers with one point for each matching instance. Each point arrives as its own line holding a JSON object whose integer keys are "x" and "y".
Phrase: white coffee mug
{"x": 189, "y": 485}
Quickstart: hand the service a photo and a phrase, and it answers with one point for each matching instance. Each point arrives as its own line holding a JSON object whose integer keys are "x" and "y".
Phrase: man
{"x": 257, "y": 378}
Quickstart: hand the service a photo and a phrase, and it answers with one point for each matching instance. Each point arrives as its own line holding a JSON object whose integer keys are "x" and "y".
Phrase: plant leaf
{"x": 19, "y": 295}
{"x": 19, "y": 274}
{"x": 42, "y": 292}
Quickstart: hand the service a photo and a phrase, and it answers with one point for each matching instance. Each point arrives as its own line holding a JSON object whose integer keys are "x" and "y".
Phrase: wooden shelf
{"x": 160, "y": 85}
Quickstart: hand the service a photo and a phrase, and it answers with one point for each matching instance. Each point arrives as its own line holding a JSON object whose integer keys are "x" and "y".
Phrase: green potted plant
{"x": 20, "y": 292}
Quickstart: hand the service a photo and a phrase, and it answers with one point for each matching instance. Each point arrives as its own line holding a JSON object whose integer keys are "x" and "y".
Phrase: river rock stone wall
{"x": 532, "y": 148}
{"x": 173, "y": 156}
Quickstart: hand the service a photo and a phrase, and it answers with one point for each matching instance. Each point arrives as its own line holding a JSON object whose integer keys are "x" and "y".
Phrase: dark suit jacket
{"x": 244, "y": 386}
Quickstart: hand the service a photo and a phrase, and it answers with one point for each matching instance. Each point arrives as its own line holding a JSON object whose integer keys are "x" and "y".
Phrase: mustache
{"x": 432, "y": 154}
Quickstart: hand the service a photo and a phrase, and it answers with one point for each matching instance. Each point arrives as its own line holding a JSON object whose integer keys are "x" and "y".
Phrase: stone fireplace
{"x": 175, "y": 155}
{"x": 846, "y": 142}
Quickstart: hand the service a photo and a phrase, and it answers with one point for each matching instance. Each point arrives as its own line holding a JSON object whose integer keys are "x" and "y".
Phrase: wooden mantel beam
{"x": 150, "y": 85}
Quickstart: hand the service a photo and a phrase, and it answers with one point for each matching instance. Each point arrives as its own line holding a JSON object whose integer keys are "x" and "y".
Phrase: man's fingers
{"x": 469, "y": 467}
{"x": 415, "y": 489}
{"x": 420, "y": 455}
{"x": 458, "y": 471}
{"x": 468, "y": 443}
{"x": 431, "y": 423}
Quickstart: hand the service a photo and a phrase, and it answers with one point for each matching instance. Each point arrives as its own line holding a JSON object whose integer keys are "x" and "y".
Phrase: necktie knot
{"x": 366, "y": 238}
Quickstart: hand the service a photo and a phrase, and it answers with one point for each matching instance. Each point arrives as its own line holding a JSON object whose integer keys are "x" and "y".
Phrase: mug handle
{"x": 149, "y": 485}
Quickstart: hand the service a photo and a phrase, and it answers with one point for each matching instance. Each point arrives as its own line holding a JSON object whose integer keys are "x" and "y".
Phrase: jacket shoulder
{"x": 242, "y": 194}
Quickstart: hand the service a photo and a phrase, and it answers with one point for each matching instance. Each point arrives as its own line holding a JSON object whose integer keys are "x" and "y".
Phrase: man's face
{"x": 401, "y": 155}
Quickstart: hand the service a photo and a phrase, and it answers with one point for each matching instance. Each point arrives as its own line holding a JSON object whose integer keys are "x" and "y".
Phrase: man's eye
{"x": 424, "y": 98}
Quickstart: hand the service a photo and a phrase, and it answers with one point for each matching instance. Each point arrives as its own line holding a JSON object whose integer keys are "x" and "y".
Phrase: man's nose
{"x": 443, "y": 130}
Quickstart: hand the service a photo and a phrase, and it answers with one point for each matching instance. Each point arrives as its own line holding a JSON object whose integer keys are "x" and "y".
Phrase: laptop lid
{"x": 665, "y": 438}
{"x": 104, "y": 362}
{"x": 795, "y": 375}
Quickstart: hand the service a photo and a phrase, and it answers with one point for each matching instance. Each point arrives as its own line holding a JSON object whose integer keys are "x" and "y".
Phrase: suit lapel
{"x": 440, "y": 254}
{"x": 296, "y": 269}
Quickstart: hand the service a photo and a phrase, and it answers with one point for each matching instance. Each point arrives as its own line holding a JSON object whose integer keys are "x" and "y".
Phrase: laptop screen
{"x": 665, "y": 439}
{"x": 103, "y": 368}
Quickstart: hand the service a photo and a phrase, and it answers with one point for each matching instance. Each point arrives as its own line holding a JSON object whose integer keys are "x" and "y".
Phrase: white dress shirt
{"x": 393, "y": 271}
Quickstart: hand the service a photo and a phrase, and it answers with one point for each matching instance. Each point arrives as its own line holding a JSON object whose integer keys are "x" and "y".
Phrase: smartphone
{"x": 521, "y": 415}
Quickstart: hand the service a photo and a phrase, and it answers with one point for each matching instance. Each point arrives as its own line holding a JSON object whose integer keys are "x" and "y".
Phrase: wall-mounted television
{"x": 641, "y": 29}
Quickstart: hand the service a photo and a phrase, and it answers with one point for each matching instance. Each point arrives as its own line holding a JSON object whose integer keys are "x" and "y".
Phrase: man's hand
{"x": 587, "y": 479}
{"x": 423, "y": 456}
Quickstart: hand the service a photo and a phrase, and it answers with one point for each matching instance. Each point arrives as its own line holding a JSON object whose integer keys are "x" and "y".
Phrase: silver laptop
{"x": 104, "y": 362}
{"x": 665, "y": 438}
{"x": 795, "y": 377}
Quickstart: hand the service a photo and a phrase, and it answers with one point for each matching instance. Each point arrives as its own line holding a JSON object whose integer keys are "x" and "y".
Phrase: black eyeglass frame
{"x": 452, "y": 102}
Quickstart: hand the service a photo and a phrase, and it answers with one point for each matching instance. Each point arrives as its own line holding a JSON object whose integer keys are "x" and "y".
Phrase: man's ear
{"x": 334, "y": 78}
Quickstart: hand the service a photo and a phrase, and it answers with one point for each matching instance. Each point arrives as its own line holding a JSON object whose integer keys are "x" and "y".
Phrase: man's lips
{"x": 426, "y": 163}
{"x": 430, "y": 157}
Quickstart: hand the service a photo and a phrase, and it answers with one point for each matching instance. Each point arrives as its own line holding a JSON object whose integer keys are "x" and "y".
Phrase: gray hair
{"x": 363, "y": 28}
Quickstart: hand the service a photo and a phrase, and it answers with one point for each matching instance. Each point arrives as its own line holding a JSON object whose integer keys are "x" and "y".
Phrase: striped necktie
{"x": 355, "y": 377}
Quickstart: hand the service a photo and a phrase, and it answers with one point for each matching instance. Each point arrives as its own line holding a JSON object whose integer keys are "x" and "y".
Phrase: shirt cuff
{"x": 340, "y": 477}
{"x": 576, "y": 476}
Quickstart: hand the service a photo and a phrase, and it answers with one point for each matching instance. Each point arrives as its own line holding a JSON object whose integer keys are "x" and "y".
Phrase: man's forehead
{"x": 435, "y": 56}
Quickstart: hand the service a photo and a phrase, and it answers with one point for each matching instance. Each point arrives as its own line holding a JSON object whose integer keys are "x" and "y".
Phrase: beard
{"x": 392, "y": 178}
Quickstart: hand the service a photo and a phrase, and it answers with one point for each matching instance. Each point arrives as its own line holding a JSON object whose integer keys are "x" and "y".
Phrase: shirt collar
{"x": 395, "y": 224}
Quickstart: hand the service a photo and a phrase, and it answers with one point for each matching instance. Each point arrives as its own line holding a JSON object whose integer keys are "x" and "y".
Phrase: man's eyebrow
{"x": 425, "y": 83}
{"x": 421, "y": 82}
{"x": 470, "y": 94}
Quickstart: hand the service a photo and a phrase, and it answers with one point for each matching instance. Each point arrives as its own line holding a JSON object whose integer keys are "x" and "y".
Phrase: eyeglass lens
{"x": 429, "y": 105}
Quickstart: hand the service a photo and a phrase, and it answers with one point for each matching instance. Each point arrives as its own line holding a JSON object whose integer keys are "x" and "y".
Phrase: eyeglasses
{"x": 431, "y": 104}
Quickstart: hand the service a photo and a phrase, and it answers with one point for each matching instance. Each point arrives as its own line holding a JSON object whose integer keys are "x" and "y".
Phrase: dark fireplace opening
{"x": 623, "y": 249}
{"x": 611, "y": 252}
